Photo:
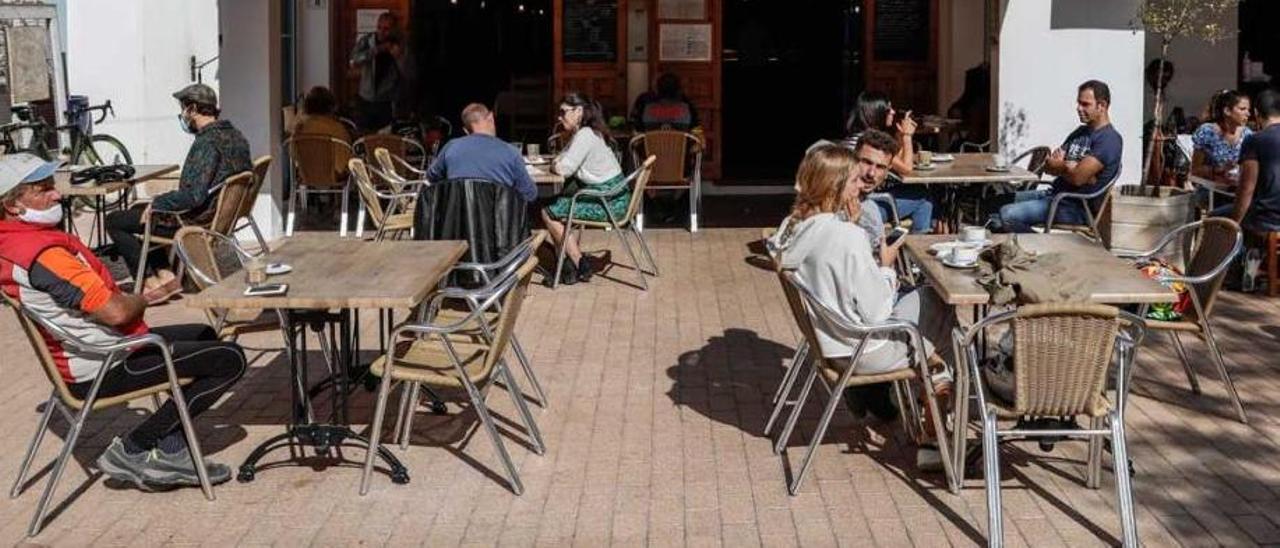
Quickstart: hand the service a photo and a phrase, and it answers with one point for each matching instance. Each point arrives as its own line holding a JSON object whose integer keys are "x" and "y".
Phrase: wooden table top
{"x": 542, "y": 174}
{"x": 967, "y": 168}
{"x": 1114, "y": 280}
{"x": 331, "y": 272}
{"x": 142, "y": 173}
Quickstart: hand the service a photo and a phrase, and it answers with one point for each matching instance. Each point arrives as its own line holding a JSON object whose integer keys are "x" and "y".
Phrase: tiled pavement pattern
{"x": 657, "y": 403}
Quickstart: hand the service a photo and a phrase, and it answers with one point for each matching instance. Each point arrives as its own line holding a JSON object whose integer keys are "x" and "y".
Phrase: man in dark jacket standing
{"x": 219, "y": 151}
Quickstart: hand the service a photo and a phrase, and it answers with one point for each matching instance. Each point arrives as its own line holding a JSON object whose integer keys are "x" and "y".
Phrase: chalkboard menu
{"x": 590, "y": 31}
{"x": 901, "y": 30}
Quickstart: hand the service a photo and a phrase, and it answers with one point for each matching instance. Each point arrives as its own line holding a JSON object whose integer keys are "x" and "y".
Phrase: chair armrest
{"x": 592, "y": 193}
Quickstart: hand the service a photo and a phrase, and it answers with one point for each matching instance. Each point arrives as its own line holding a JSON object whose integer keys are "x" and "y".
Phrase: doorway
{"x": 788, "y": 72}
{"x": 497, "y": 52}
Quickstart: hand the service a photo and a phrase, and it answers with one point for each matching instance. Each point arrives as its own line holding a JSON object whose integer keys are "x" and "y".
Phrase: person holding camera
{"x": 378, "y": 56}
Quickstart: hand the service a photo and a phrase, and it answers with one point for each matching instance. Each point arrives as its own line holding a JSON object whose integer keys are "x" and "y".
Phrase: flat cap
{"x": 197, "y": 93}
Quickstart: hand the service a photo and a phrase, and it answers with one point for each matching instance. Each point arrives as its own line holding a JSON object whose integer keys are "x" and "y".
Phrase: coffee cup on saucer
{"x": 1000, "y": 162}
{"x": 973, "y": 234}
{"x": 963, "y": 255}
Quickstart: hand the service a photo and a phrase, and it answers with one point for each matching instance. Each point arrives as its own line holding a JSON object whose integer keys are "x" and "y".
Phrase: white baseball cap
{"x": 22, "y": 168}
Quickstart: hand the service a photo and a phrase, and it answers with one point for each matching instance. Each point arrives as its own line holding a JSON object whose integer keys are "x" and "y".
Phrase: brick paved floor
{"x": 654, "y": 432}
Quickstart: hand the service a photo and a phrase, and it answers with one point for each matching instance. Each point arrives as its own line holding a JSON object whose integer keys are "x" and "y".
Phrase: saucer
{"x": 921, "y": 167}
{"x": 944, "y": 158}
{"x": 540, "y": 160}
{"x": 997, "y": 169}
{"x": 963, "y": 266}
{"x": 275, "y": 269}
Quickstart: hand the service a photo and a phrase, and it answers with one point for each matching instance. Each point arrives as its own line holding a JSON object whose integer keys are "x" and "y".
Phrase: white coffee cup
{"x": 973, "y": 234}
{"x": 1000, "y": 162}
{"x": 964, "y": 255}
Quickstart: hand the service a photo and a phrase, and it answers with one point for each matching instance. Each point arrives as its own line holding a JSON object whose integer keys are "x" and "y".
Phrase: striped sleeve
{"x": 69, "y": 281}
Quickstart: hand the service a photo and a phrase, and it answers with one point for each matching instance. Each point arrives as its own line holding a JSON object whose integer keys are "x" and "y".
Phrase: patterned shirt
{"x": 219, "y": 151}
{"x": 1217, "y": 151}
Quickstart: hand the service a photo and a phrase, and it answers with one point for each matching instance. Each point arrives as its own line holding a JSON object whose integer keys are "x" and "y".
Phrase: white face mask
{"x": 51, "y": 216}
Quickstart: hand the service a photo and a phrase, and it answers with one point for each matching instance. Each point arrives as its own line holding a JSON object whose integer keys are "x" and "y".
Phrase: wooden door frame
{"x": 714, "y": 16}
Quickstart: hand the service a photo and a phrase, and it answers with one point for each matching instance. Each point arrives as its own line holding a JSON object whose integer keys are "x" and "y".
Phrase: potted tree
{"x": 1143, "y": 213}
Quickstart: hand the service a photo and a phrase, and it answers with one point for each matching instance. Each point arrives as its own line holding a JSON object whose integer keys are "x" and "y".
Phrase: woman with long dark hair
{"x": 873, "y": 110}
{"x": 1217, "y": 143}
{"x": 588, "y": 160}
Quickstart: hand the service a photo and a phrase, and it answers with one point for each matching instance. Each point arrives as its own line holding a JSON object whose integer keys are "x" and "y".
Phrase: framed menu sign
{"x": 590, "y": 32}
{"x": 684, "y": 42}
{"x": 902, "y": 30}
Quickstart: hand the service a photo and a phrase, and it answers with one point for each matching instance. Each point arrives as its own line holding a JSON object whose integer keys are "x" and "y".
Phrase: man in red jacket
{"x": 54, "y": 275}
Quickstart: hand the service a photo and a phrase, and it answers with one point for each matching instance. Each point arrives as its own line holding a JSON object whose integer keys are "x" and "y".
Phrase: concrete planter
{"x": 1141, "y": 216}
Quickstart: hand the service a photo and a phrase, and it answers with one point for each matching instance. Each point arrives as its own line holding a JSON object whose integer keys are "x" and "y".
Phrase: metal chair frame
{"x": 1130, "y": 332}
{"x": 61, "y": 400}
{"x": 302, "y": 188}
{"x": 410, "y": 145}
{"x": 260, "y": 166}
{"x": 862, "y": 333}
{"x": 493, "y": 275}
{"x": 640, "y": 178}
{"x": 222, "y": 221}
{"x": 692, "y": 182}
{"x": 404, "y": 193}
{"x": 1183, "y": 236}
{"x": 487, "y": 298}
{"x": 1091, "y": 218}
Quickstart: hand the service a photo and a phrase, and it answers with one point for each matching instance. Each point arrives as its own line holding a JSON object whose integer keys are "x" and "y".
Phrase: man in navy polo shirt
{"x": 1088, "y": 160}
{"x": 482, "y": 155}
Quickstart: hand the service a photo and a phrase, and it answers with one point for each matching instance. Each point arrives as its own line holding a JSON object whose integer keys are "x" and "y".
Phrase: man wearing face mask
{"x": 218, "y": 152}
{"x": 54, "y": 275}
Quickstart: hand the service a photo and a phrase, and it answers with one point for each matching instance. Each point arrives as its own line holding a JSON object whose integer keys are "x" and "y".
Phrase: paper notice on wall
{"x": 367, "y": 21}
{"x": 29, "y": 68}
{"x": 682, "y": 9}
{"x": 684, "y": 42}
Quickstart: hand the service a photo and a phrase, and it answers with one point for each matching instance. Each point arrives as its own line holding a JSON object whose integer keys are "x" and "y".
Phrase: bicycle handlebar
{"x": 106, "y": 109}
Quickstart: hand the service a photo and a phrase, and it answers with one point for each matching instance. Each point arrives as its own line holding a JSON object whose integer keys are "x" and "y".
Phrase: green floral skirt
{"x": 589, "y": 208}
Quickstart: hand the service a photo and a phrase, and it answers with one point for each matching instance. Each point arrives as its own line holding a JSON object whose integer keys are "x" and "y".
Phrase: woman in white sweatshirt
{"x": 834, "y": 259}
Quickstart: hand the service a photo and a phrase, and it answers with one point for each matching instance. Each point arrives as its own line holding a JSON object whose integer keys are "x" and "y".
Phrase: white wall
{"x": 250, "y": 76}
{"x": 1200, "y": 69}
{"x": 1048, "y": 48}
{"x": 137, "y": 53}
{"x": 313, "y": 44}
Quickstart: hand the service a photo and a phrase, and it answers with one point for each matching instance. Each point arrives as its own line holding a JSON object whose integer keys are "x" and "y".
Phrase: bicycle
{"x": 87, "y": 148}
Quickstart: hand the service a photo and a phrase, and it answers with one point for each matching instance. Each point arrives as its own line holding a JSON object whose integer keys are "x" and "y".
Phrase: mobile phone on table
{"x": 895, "y": 235}
{"x": 266, "y": 290}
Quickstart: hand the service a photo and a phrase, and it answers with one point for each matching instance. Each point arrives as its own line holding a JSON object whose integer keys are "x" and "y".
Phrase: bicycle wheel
{"x": 100, "y": 150}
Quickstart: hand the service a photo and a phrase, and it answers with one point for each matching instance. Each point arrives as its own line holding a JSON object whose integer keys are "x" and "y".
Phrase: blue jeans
{"x": 1031, "y": 207}
{"x": 912, "y": 203}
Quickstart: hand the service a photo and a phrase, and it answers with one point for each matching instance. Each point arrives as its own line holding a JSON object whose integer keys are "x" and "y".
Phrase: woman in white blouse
{"x": 835, "y": 260}
{"x": 587, "y": 161}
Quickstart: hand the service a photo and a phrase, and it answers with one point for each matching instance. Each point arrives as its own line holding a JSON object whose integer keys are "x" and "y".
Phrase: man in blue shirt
{"x": 1088, "y": 160}
{"x": 1258, "y": 196}
{"x": 481, "y": 155}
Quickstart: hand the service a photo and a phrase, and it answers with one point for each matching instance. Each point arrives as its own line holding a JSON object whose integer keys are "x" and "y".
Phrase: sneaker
{"x": 120, "y": 465}
{"x": 584, "y": 269}
{"x": 177, "y": 469}
{"x": 568, "y": 273}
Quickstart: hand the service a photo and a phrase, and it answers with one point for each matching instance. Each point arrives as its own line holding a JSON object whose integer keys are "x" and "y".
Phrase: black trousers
{"x": 126, "y": 228}
{"x": 213, "y": 365}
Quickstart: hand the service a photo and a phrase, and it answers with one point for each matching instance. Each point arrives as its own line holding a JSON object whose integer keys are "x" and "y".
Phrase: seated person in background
{"x": 1088, "y": 159}
{"x": 873, "y": 152}
{"x": 874, "y": 111}
{"x": 587, "y": 161}
{"x": 54, "y": 275}
{"x": 666, "y": 109}
{"x": 1257, "y": 206}
{"x": 1217, "y": 145}
{"x": 832, "y": 257}
{"x": 482, "y": 155}
{"x": 219, "y": 151}
{"x": 319, "y": 119}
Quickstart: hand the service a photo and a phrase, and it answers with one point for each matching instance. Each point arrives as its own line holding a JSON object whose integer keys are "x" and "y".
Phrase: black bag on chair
{"x": 491, "y": 217}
